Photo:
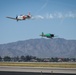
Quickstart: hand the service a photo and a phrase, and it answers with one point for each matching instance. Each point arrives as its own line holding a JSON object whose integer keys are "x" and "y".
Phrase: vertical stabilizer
{"x": 42, "y": 34}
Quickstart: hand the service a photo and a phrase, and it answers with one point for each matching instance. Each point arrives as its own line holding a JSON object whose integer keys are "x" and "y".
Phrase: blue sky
{"x": 51, "y": 16}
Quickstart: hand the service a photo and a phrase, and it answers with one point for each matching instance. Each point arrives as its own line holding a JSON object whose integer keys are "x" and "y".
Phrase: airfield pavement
{"x": 37, "y": 69}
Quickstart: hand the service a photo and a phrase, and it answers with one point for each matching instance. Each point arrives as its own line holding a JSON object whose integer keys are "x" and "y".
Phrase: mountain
{"x": 56, "y": 47}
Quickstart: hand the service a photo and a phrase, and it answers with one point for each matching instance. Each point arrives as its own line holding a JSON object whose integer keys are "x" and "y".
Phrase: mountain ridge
{"x": 57, "y": 47}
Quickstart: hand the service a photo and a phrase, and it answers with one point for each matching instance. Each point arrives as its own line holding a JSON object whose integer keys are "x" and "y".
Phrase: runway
{"x": 37, "y": 69}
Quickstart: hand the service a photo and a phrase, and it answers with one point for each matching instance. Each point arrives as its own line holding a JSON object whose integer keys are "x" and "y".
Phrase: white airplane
{"x": 21, "y": 17}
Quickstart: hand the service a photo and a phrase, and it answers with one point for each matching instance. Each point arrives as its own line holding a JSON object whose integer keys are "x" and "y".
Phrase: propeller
{"x": 16, "y": 17}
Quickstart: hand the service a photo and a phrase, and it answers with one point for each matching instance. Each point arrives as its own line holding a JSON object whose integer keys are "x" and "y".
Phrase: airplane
{"x": 21, "y": 17}
{"x": 47, "y": 35}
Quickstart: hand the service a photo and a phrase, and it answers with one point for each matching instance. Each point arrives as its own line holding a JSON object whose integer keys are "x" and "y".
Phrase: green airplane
{"x": 47, "y": 35}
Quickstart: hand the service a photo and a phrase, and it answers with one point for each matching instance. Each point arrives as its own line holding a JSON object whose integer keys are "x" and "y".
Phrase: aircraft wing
{"x": 11, "y": 18}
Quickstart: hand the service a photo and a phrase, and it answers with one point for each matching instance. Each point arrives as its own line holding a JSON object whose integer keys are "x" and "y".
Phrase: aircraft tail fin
{"x": 29, "y": 14}
{"x": 42, "y": 34}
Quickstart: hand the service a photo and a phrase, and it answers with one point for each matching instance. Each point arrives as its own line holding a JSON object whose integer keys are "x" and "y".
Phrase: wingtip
{"x": 7, "y": 17}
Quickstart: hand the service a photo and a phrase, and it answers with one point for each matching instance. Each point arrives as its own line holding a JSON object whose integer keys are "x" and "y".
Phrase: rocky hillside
{"x": 40, "y": 48}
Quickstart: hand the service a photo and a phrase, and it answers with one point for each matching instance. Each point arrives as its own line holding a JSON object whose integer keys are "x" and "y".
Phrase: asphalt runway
{"x": 9, "y": 70}
{"x": 31, "y": 73}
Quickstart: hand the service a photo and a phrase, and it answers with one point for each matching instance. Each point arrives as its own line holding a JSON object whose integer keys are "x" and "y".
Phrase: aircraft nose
{"x": 16, "y": 17}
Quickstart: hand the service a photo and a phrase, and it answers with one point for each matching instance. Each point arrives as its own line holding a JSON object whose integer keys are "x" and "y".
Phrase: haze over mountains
{"x": 56, "y": 47}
